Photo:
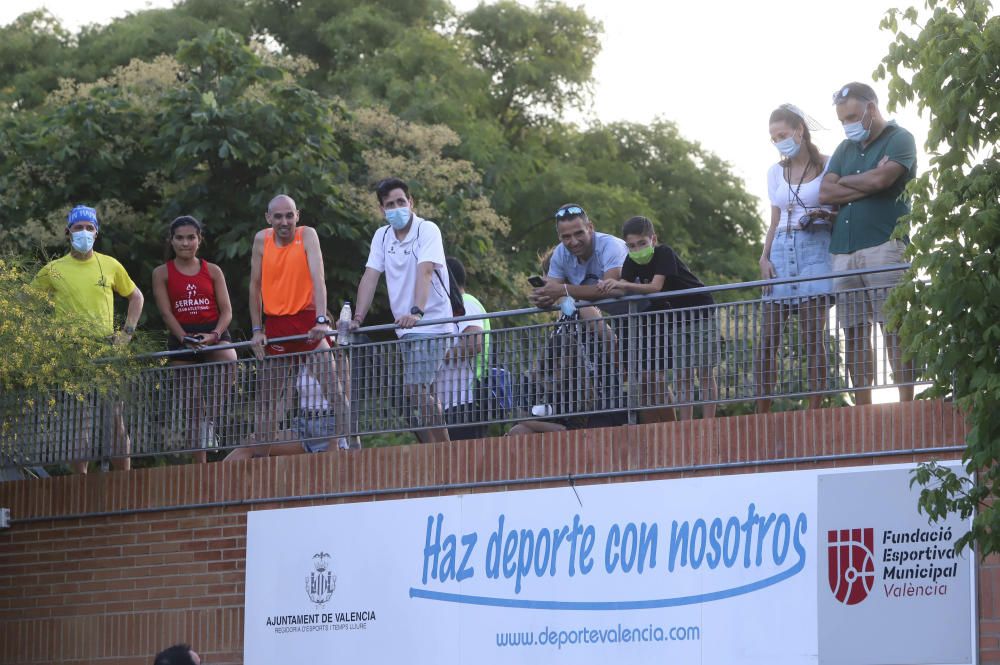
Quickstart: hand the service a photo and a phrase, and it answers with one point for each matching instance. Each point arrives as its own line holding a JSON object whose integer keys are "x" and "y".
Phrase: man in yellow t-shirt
{"x": 83, "y": 284}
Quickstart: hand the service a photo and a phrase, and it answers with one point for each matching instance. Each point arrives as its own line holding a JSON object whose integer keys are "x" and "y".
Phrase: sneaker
{"x": 342, "y": 443}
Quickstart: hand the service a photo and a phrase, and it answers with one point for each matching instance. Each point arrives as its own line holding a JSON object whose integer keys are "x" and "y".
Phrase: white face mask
{"x": 788, "y": 147}
{"x": 855, "y": 131}
{"x": 82, "y": 241}
{"x": 567, "y": 306}
{"x": 398, "y": 218}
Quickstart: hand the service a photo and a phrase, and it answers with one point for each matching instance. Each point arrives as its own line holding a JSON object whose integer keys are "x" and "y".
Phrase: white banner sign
{"x": 832, "y": 566}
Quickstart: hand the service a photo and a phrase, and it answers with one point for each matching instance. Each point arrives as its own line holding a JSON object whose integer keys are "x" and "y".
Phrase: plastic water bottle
{"x": 344, "y": 325}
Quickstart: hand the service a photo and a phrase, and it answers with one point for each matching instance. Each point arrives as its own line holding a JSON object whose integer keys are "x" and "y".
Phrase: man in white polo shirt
{"x": 410, "y": 252}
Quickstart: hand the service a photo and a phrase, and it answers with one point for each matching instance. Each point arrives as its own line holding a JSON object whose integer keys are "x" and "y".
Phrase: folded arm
{"x": 832, "y": 192}
{"x": 877, "y": 179}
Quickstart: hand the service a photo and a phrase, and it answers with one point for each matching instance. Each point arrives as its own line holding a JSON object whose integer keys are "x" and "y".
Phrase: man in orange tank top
{"x": 288, "y": 298}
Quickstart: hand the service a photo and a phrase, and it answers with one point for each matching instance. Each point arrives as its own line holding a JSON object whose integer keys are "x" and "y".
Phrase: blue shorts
{"x": 316, "y": 430}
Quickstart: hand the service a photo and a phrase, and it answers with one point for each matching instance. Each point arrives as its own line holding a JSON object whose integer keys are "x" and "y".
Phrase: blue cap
{"x": 82, "y": 214}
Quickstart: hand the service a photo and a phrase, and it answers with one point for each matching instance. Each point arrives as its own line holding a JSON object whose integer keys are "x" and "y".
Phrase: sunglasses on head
{"x": 844, "y": 94}
{"x": 569, "y": 211}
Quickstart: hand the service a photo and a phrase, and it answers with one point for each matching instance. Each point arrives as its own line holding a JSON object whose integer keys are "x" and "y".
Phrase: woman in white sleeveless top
{"x": 797, "y": 245}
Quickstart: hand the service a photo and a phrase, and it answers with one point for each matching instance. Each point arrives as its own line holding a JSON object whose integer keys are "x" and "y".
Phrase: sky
{"x": 717, "y": 69}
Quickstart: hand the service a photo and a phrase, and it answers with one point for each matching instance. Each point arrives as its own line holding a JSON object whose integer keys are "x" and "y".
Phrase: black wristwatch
{"x": 322, "y": 321}
{"x": 416, "y": 311}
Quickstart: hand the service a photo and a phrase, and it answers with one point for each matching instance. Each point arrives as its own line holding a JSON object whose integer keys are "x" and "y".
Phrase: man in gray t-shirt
{"x": 582, "y": 259}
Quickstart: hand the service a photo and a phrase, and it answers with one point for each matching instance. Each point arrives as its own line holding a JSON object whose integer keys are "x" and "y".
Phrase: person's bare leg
{"x": 192, "y": 377}
{"x": 709, "y": 391}
{"x": 534, "y": 427}
{"x": 291, "y": 448}
{"x": 121, "y": 442}
{"x": 685, "y": 393}
{"x": 812, "y": 318}
{"x": 431, "y": 413}
{"x": 772, "y": 323}
{"x": 198, "y": 420}
{"x": 246, "y": 451}
{"x": 341, "y": 387}
{"x": 607, "y": 358}
{"x": 902, "y": 370}
{"x": 654, "y": 390}
{"x": 82, "y": 417}
{"x": 859, "y": 361}
{"x": 273, "y": 374}
{"x": 218, "y": 381}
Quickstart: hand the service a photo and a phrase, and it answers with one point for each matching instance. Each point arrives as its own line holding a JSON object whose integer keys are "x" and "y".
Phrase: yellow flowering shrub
{"x": 47, "y": 356}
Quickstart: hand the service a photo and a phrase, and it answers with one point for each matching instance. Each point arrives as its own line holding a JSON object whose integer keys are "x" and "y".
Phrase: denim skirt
{"x": 797, "y": 253}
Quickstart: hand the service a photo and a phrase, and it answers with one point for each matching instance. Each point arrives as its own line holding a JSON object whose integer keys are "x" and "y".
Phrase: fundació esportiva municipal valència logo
{"x": 851, "y": 557}
{"x": 886, "y": 578}
{"x": 321, "y": 582}
{"x": 907, "y": 563}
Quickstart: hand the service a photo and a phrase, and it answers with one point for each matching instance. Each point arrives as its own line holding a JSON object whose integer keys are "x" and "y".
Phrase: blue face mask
{"x": 788, "y": 147}
{"x": 567, "y": 306}
{"x": 82, "y": 241}
{"x": 398, "y": 218}
{"x": 855, "y": 131}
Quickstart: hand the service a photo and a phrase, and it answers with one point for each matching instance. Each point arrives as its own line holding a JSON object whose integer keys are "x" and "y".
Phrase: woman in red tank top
{"x": 193, "y": 300}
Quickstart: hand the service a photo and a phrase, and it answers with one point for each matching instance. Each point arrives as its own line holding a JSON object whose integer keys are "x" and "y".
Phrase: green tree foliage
{"x": 36, "y": 50}
{"x": 147, "y": 34}
{"x": 539, "y": 59}
{"x": 948, "y": 61}
{"x": 341, "y": 35}
{"x": 500, "y": 77}
{"x": 34, "y": 53}
{"x": 216, "y": 133}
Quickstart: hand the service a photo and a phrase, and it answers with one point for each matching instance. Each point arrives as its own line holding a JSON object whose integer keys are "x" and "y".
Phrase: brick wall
{"x": 109, "y": 568}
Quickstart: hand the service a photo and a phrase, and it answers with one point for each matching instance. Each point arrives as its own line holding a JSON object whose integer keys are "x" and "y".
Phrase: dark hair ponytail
{"x": 183, "y": 220}
{"x": 795, "y": 121}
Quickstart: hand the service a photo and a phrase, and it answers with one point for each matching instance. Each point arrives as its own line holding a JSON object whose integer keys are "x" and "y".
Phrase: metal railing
{"x": 581, "y": 371}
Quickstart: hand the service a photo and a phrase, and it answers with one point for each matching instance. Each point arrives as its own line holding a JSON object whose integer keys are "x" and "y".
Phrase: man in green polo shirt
{"x": 867, "y": 178}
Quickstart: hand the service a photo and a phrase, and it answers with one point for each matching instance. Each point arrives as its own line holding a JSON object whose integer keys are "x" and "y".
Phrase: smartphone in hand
{"x": 536, "y": 281}
{"x": 192, "y": 339}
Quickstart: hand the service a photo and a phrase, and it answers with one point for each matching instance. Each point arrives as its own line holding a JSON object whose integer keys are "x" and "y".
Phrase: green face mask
{"x": 642, "y": 256}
